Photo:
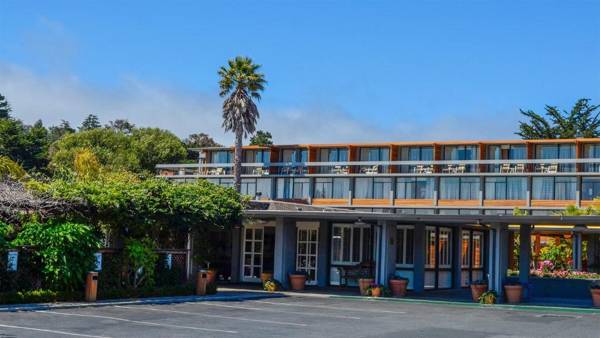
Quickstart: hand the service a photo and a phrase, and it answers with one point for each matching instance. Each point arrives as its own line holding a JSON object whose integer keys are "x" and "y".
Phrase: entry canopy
{"x": 276, "y": 209}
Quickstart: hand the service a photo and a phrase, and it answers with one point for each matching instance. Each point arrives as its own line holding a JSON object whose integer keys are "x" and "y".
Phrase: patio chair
{"x": 449, "y": 169}
{"x": 552, "y": 169}
{"x": 418, "y": 169}
{"x": 541, "y": 168}
{"x": 219, "y": 171}
{"x": 460, "y": 169}
{"x": 505, "y": 168}
{"x": 428, "y": 169}
{"x": 519, "y": 168}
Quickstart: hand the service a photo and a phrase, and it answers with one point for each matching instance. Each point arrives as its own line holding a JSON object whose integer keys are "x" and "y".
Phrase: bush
{"x": 488, "y": 297}
{"x": 39, "y": 296}
{"x": 66, "y": 251}
{"x": 141, "y": 262}
{"x": 272, "y": 285}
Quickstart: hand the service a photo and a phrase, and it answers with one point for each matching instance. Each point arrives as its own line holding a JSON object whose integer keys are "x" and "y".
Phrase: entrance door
{"x": 472, "y": 267}
{"x": 258, "y": 252}
{"x": 438, "y": 258}
{"x": 307, "y": 251}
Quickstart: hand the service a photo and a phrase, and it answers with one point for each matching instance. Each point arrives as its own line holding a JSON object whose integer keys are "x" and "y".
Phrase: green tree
{"x": 56, "y": 132}
{"x": 5, "y": 108}
{"x": 240, "y": 83}
{"x": 10, "y": 169}
{"x": 122, "y": 125}
{"x": 200, "y": 140}
{"x": 153, "y": 145}
{"x": 27, "y": 145}
{"x": 583, "y": 120}
{"x": 66, "y": 250}
{"x": 261, "y": 138}
{"x": 90, "y": 122}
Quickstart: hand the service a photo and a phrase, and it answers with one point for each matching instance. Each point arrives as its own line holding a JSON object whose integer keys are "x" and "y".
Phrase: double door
{"x": 438, "y": 258}
{"x": 307, "y": 247}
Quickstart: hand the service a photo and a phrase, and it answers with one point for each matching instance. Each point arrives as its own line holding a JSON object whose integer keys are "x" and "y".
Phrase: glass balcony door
{"x": 438, "y": 258}
{"x": 472, "y": 255}
{"x": 307, "y": 250}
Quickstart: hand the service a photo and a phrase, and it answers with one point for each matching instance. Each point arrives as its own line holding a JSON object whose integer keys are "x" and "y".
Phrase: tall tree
{"x": 90, "y": 122}
{"x": 122, "y": 125}
{"x": 261, "y": 138}
{"x": 240, "y": 83}
{"x": 583, "y": 120}
{"x": 5, "y": 108}
{"x": 56, "y": 132}
{"x": 200, "y": 140}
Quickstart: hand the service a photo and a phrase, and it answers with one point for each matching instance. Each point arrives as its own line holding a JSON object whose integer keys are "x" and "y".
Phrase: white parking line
{"x": 139, "y": 322}
{"x": 213, "y": 316}
{"x": 278, "y": 311}
{"x": 330, "y": 307}
{"x": 63, "y": 333}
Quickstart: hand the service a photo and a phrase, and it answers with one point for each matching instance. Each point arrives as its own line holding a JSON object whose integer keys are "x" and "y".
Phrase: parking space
{"x": 298, "y": 317}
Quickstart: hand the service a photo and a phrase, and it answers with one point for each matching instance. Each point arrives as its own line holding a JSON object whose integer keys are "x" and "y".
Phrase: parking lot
{"x": 298, "y": 317}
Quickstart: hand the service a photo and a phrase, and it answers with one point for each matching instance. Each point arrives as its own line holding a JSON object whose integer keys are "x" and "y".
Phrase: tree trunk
{"x": 237, "y": 160}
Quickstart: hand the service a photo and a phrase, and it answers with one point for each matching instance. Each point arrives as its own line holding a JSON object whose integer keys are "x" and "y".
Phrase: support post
{"x": 457, "y": 260}
{"x": 323, "y": 255}
{"x": 524, "y": 257}
{"x": 285, "y": 250}
{"x": 419, "y": 260}
{"x": 236, "y": 253}
{"x": 501, "y": 237}
{"x": 577, "y": 261}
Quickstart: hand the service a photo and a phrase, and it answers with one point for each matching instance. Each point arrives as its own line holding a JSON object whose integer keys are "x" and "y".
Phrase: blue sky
{"x": 338, "y": 70}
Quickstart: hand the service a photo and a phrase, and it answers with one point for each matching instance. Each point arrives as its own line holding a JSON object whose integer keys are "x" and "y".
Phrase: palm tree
{"x": 240, "y": 82}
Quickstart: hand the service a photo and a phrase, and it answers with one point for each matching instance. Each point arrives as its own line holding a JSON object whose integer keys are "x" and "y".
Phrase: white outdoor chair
{"x": 552, "y": 169}
{"x": 505, "y": 168}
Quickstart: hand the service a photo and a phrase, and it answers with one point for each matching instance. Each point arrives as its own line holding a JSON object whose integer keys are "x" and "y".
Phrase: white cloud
{"x": 53, "y": 98}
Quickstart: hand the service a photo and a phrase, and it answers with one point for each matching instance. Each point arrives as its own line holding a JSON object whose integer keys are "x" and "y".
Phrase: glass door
{"x": 307, "y": 252}
{"x": 253, "y": 254}
{"x": 438, "y": 258}
{"x": 472, "y": 267}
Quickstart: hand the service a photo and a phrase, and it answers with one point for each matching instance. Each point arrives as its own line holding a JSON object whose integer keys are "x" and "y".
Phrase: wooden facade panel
{"x": 370, "y": 202}
{"x": 394, "y": 156}
{"x": 505, "y": 203}
{"x": 552, "y": 203}
{"x": 585, "y": 204}
{"x": 413, "y": 202}
{"x": 458, "y": 203}
{"x": 330, "y": 201}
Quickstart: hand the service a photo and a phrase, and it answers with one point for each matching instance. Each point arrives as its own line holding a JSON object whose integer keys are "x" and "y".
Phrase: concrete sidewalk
{"x": 222, "y": 295}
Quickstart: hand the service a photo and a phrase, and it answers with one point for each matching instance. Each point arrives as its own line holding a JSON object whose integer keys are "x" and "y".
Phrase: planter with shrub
{"x": 478, "y": 287}
{"x": 375, "y": 290}
{"x": 595, "y": 291}
{"x": 488, "y": 297}
{"x": 364, "y": 283}
{"x": 514, "y": 292}
{"x": 266, "y": 276}
{"x": 298, "y": 280}
{"x": 398, "y": 286}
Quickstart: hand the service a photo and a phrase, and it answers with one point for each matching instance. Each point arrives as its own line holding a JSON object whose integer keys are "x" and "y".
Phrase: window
{"x": 332, "y": 187}
{"x": 374, "y": 154}
{"x": 373, "y": 187}
{"x": 459, "y": 188}
{"x": 350, "y": 244}
{"x": 256, "y": 187}
{"x": 294, "y": 155}
{"x": 466, "y": 249}
{"x": 556, "y": 151}
{"x": 554, "y": 188}
{"x": 445, "y": 248}
{"x": 505, "y": 152}
{"x": 222, "y": 156}
{"x": 414, "y": 154}
{"x": 591, "y": 151}
{"x": 477, "y": 249}
{"x": 414, "y": 188}
{"x": 256, "y": 156}
{"x": 505, "y": 188}
{"x": 590, "y": 188}
{"x": 430, "y": 236}
{"x": 249, "y": 187}
{"x": 405, "y": 246}
{"x": 462, "y": 153}
{"x": 333, "y": 155}
{"x": 293, "y": 188}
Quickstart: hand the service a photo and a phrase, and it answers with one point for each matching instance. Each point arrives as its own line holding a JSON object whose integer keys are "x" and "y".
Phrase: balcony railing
{"x": 399, "y": 168}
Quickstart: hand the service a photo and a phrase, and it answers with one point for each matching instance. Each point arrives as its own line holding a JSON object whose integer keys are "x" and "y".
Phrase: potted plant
{"x": 478, "y": 287}
{"x": 364, "y": 282}
{"x": 595, "y": 291}
{"x": 272, "y": 285}
{"x": 297, "y": 280}
{"x": 265, "y": 276}
{"x": 488, "y": 297}
{"x": 398, "y": 286}
{"x": 374, "y": 290}
{"x": 514, "y": 292}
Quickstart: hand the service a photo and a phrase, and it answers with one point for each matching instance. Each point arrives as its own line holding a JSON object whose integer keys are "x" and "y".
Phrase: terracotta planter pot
{"x": 363, "y": 284}
{"x": 398, "y": 287}
{"x": 265, "y": 276}
{"x": 211, "y": 276}
{"x": 297, "y": 282}
{"x": 514, "y": 293}
{"x": 376, "y": 292}
{"x": 477, "y": 291}
{"x": 595, "y": 297}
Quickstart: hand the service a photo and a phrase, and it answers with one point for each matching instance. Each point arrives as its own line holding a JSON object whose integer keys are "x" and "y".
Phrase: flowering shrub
{"x": 564, "y": 274}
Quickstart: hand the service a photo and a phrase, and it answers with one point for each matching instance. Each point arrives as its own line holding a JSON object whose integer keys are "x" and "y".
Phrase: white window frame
{"x": 308, "y": 226}
{"x": 253, "y": 241}
{"x": 350, "y": 226}
{"x": 428, "y": 232}
{"x": 465, "y": 264}
{"x": 448, "y": 254}
{"x": 401, "y": 263}
{"x": 481, "y": 245}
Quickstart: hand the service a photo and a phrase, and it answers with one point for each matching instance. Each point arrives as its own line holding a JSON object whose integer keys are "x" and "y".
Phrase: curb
{"x": 140, "y": 301}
